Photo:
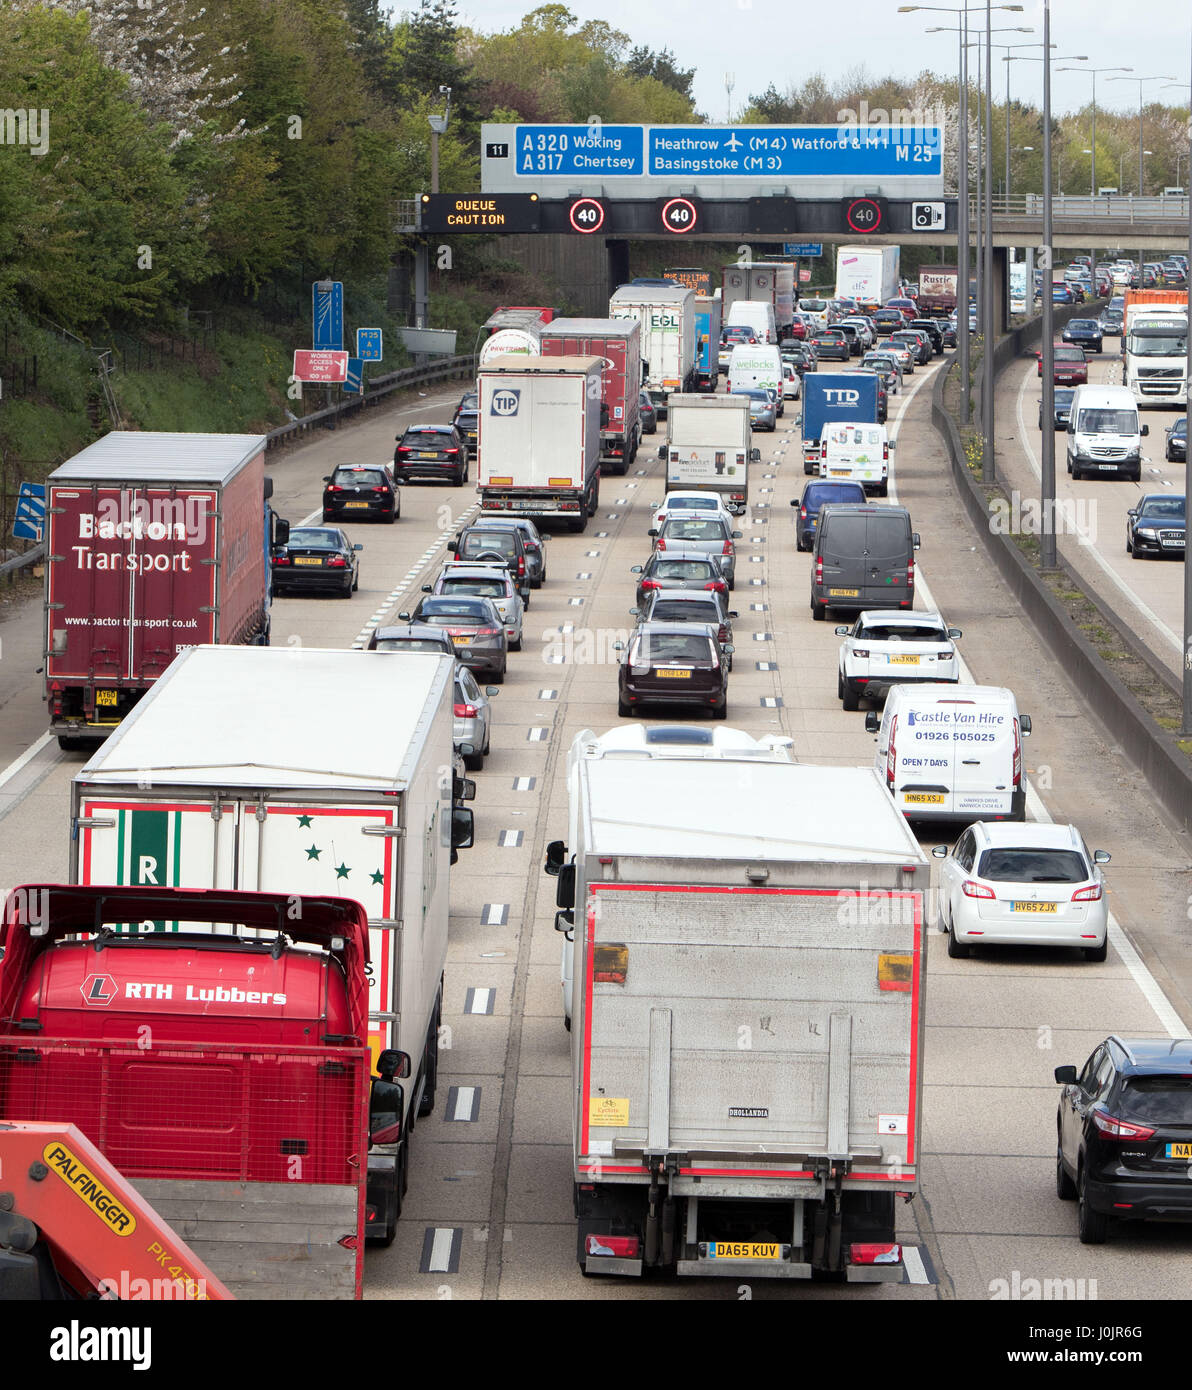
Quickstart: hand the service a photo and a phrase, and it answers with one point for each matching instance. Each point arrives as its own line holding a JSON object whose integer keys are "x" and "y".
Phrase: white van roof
{"x": 943, "y": 693}
{"x": 1104, "y": 398}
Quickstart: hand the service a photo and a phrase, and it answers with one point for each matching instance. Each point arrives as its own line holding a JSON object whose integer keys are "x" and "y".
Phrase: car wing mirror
{"x": 405, "y": 617}
{"x": 463, "y": 788}
{"x": 427, "y": 589}
{"x": 939, "y": 851}
{"x": 391, "y": 1063}
{"x": 1066, "y": 1076}
{"x": 463, "y": 827}
{"x": 955, "y": 632}
{"x": 843, "y": 630}
{"x": 492, "y": 691}
{"x": 1145, "y": 429}
{"x": 1024, "y": 723}
{"x": 1101, "y": 856}
{"x": 732, "y": 613}
{"x": 873, "y": 721}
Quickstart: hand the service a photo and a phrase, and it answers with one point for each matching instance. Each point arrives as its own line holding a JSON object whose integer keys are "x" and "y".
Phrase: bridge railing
{"x": 1125, "y": 207}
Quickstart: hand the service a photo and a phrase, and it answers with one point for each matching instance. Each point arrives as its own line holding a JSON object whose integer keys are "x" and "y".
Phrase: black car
{"x": 1156, "y": 526}
{"x": 1063, "y": 407}
{"x": 948, "y": 333}
{"x": 316, "y": 557}
{"x": 831, "y": 342}
{"x": 431, "y": 451}
{"x": 467, "y": 420}
{"x": 490, "y": 542}
{"x": 533, "y": 541}
{"x": 888, "y": 321}
{"x": 1085, "y": 333}
{"x": 1124, "y": 1134}
{"x": 674, "y": 663}
{"x": 690, "y": 606}
{"x": 355, "y": 492}
{"x": 933, "y": 330}
{"x": 1177, "y": 441}
{"x": 851, "y": 332}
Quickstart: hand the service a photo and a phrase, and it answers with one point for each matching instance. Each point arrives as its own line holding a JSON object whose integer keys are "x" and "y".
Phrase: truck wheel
{"x": 580, "y": 526}
{"x": 884, "y": 488}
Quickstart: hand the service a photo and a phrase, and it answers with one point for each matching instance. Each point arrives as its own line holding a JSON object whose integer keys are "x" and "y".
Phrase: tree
{"x": 428, "y": 58}
{"x": 643, "y": 62}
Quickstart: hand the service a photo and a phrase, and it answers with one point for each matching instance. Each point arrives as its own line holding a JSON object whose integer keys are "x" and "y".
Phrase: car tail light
{"x": 875, "y": 1254}
{"x": 1114, "y": 1128}
{"x": 521, "y": 565}
{"x": 976, "y": 890}
{"x": 803, "y": 513}
{"x": 824, "y": 449}
{"x": 336, "y": 560}
{"x": 1091, "y": 894}
{"x": 489, "y": 631}
{"x": 661, "y": 542}
{"x": 819, "y": 571}
{"x": 623, "y": 1247}
{"x": 717, "y": 586}
{"x": 910, "y": 573}
{"x": 650, "y": 584}
{"x": 860, "y": 651}
{"x": 449, "y": 452}
{"x": 728, "y": 548}
{"x": 1017, "y": 766}
{"x": 740, "y": 459}
{"x": 281, "y": 559}
{"x": 885, "y": 453}
{"x": 334, "y": 487}
{"x": 405, "y": 448}
{"x": 381, "y": 490}
{"x": 465, "y": 711}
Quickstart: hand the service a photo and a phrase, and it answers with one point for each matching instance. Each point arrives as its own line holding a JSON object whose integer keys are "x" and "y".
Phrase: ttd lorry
{"x": 221, "y": 1069}
{"x": 833, "y": 397}
{"x": 747, "y": 1014}
{"x": 249, "y": 770}
{"x": 155, "y": 543}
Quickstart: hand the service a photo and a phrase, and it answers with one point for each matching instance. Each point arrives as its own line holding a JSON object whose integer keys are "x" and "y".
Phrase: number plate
{"x": 105, "y": 697}
{"x": 306, "y": 560}
{"x": 428, "y": 456}
{"x": 1035, "y": 907}
{"x": 355, "y": 504}
{"x": 839, "y": 472}
{"x": 923, "y": 798}
{"x": 666, "y": 674}
{"x": 743, "y": 1250}
{"x": 461, "y": 641}
{"x": 843, "y": 593}
{"x": 904, "y": 661}
{"x": 1179, "y": 1150}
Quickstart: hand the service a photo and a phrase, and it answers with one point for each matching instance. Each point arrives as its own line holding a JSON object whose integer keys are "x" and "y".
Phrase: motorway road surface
{"x": 489, "y": 1208}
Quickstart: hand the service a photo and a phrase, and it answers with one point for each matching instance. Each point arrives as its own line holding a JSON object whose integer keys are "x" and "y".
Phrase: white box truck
{"x": 247, "y": 768}
{"x": 868, "y": 274}
{"x": 667, "y": 318}
{"x": 772, "y": 282}
{"x": 709, "y": 446}
{"x": 538, "y": 436}
{"x": 747, "y": 1005}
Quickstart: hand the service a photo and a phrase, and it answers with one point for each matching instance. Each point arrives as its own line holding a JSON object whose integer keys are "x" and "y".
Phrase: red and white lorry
{"x": 617, "y": 342}
{"x": 155, "y": 543}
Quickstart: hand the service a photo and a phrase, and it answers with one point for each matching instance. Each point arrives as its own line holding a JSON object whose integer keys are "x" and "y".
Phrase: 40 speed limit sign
{"x": 586, "y": 215}
{"x": 679, "y": 215}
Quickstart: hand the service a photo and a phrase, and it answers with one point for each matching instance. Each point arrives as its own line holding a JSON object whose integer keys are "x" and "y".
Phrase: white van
{"x": 855, "y": 451}
{"x": 952, "y": 752}
{"x": 757, "y": 314}
{"x": 1104, "y": 433}
{"x": 754, "y": 367}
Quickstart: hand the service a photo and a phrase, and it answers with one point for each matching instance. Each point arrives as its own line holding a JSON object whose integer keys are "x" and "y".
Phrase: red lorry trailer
{"x": 618, "y": 343}
{"x": 225, "y": 1075}
{"x": 156, "y": 542}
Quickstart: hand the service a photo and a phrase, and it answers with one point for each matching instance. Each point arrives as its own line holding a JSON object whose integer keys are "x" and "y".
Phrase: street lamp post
{"x": 1093, "y": 74}
{"x": 1141, "y": 81}
{"x": 438, "y": 126}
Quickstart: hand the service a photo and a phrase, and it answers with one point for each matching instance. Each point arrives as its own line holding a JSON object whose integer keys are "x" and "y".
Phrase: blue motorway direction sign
{"x": 354, "y": 381}
{"x": 368, "y": 344}
{"x": 580, "y": 150}
{"x": 327, "y": 308}
{"x": 30, "y": 517}
{"x": 795, "y": 151}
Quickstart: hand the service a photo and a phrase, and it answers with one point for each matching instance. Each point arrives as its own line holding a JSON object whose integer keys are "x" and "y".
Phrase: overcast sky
{"x": 783, "y": 41}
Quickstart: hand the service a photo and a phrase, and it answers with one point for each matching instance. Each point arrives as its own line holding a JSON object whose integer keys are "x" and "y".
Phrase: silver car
{"x": 705, "y": 533}
{"x": 492, "y": 581}
{"x": 472, "y": 722}
{"x": 864, "y": 330}
{"x": 763, "y": 414}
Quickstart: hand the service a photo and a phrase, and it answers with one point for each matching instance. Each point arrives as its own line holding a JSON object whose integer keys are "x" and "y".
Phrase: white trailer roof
{"x": 744, "y": 809}
{"x": 650, "y": 294}
{"x": 589, "y": 328}
{"x": 160, "y": 457}
{"x": 281, "y": 717}
{"x": 542, "y": 366}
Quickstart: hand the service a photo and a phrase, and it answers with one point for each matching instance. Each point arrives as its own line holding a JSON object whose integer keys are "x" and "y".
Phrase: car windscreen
{"x": 313, "y": 538}
{"x": 693, "y": 529}
{"x": 658, "y": 648}
{"x": 1156, "y": 342}
{"x": 1031, "y": 865}
{"x": 480, "y": 543}
{"x": 358, "y": 477}
{"x": 1159, "y": 1100}
{"x": 1094, "y": 421}
{"x": 484, "y": 588}
{"x": 1162, "y": 509}
{"x": 903, "y": 632}
{"x": 681, "y": 569}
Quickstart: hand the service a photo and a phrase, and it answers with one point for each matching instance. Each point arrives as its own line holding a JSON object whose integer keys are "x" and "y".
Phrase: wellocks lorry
{"x": 709, "y": 446}
{"x": 667, "y": 318}
{"x": 538, "y": 440}
{"x": 221, "y": 1068}
{"x": 217, "y": 781}
{"x": 617, "y": 342}
{"x": 155, "y": 543}
{"x": 747, "y": 1013}
{"x": 835, "y": 397}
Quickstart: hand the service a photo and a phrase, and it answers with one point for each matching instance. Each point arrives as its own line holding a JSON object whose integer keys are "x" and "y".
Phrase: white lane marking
{"x": 1086, "y": 540}
{"x": 1148, "y": 986}
{"x": 912, "y": 1262}
{"x": 26, "y": 757}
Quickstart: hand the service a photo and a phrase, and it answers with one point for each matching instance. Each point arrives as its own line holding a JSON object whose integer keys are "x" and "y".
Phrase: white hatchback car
{"x": 792, "y": 382}
{"x": 1023, "y": 884}
{"x": 691, "y": 502}
{"x": 885, "y": 647}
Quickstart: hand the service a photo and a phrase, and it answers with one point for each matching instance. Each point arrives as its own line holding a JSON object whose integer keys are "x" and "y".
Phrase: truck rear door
{"x": 984, "y": 754}
{"x": 807, "y": 1045}
{"x": 174, "y": 594}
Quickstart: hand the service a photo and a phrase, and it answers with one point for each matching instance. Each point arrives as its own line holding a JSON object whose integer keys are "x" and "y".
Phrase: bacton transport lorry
{"x": 214, "y": 781}
{"x": 667, "y": 319}
{"x": 222, "y": 1069}
{"x": 617, "y": 342}
{"x": 834, "y": 396}
{"x": 538, "y": 443}
{"x": 867, "y": 274}
{"x": 709, "y": 446}
{"x": 155, "y": 543}
{"x": 747, "y": 1014}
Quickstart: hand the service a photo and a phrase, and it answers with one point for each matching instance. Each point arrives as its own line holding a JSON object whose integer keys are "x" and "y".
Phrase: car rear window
{"x": 681, "y": 569}
{"x": 692, "y": 529}
{"x": 434, "y": 608}
{"x": 1158, "y": 1099}
{"x": 845, "y": 535}
{"x": 485, "y": 588}
{"x": 904, "y": 632}
{"x": 313, "y": 538}
{"x": 358, "y": 477}
{"x": 888, "y": 535}
{"x": 818, "y": 495}
{"x": 689, "y": 611}
{"x": 658, "y": 648}
{"x": 1010, "y": 865}
{"x": 407, "y": 644}
{"x": 480, "y": 543}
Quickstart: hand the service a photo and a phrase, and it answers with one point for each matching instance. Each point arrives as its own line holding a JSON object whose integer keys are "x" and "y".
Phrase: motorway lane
{"x": 996, "y": 1024}
{"x": 1091, "y": 514}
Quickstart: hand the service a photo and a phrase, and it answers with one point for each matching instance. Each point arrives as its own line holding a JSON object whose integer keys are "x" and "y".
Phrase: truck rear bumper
{"x": 744, "y": 1269}
{"x": 612, "y": 1264}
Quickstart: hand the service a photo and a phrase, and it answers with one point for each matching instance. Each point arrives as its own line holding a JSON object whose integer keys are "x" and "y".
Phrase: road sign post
{"x": 327, "y": 313}
{"x": 368, "y": 344}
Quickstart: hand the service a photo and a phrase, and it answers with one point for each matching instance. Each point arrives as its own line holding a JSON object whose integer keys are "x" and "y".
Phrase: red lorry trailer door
{"x": 174, "y": 592}
{"x": 89, "y": 587}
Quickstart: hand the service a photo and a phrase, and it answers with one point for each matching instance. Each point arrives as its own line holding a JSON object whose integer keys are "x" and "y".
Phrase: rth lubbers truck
{"x": 617, "y": 342}
{"x": 222, "y": 1069}
{"x": 709, "y": 446}
{"x": 667, "y": 318}
{"x": 747, "y": 1006}
{"x": 215, "y": 782}
{"x": 155, "y": 543}
{"x": 538, "y": 442}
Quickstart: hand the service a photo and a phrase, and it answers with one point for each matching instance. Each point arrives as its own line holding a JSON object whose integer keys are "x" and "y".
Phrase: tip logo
{"x": 505, "y": 401}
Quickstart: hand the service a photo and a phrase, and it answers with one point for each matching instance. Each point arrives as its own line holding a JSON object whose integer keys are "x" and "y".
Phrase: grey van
{"x": 864, "y": 558}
